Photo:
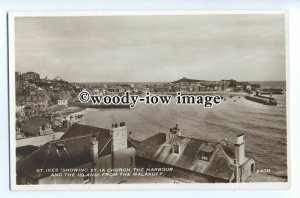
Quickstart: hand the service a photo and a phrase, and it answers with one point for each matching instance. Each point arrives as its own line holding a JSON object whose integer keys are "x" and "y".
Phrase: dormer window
{"x": 205, "y": 152}
{"x": 176, "y": 149}
{"x": 204, "y": 156}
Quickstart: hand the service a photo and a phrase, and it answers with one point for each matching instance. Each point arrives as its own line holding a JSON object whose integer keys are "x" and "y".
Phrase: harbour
{"x": 264, "y": 126}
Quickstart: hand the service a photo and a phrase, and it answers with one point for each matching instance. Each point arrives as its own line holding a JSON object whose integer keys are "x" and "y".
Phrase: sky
{"x": 248, "y": 47}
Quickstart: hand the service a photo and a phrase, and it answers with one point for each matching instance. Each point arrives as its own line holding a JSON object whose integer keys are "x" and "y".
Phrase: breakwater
{"x": 262, "y": 99}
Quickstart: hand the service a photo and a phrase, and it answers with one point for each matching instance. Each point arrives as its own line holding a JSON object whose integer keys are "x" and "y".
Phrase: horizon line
{"x": 170, "y": 81}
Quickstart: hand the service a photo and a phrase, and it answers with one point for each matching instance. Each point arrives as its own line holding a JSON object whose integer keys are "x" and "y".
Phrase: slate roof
{"x": 75, "y": 153}
{"x": 206, "y": 148}
{"x": 220, "y": 164}
{"x": 82, "y": 130}
{"x": 25, "y": 150}
{"x": 33, "y": 126}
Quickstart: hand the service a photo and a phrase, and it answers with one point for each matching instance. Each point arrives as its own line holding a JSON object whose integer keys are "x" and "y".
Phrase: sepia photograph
{"x": 177, "y": 99}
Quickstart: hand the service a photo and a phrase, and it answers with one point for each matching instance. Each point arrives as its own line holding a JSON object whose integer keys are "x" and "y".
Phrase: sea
{"x": 264, "y": 127}
{"x": 270, "y": 84}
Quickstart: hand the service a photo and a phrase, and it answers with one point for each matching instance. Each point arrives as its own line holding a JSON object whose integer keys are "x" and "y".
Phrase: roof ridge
{"x": 69, "y": 138}
{"x": 89, "y": 126}
{"x": 151, "y": 136}
{"x": 206, "y": 140}
{"x": 43, "y": 163}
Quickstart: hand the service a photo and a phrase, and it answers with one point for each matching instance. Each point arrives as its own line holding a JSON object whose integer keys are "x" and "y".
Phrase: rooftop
{"x": 70, "y": 151}
{"x": 83, "y": 130}
{"x": 220, "y": 165}
{"x": 32, "y": 126}
{"x": 66, "y": 153}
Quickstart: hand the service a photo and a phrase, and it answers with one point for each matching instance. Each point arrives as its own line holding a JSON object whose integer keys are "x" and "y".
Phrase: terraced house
{"x": 196, "y": 160}
{"x": 81, "y": 147}
{"x": 87, "y": 148}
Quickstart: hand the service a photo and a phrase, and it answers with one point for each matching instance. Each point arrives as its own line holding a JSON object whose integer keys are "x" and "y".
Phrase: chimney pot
{"x": 94, "y": 136}
{"x": 60, "y": 146}
{"x": 240, "y": 134}
{"x": 122, "y": 124}
{"x": 240, "y": 138}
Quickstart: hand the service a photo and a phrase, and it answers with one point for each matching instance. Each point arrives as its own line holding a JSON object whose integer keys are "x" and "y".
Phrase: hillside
{"x": 186, "y": 80}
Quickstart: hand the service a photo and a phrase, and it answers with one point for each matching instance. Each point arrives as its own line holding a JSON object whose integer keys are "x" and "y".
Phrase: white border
{"x": 11, "y": 36}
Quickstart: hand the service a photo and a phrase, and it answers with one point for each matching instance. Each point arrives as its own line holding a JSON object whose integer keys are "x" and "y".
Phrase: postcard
{"x": 149, "y": 100}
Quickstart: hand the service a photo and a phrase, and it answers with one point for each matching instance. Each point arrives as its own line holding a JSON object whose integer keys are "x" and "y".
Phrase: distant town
{"x": 30, "y": 88}
{"x": 51, "y": 103}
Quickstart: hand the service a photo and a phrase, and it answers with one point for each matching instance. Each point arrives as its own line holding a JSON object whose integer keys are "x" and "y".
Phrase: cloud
{"x": 152, "y": 48}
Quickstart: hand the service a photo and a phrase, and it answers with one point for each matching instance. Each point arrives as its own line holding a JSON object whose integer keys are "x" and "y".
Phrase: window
{"x": 204, "y": 156}
{"x": 176, "y": 149}
{"x": 131, "y": 161}
{"x": 252, "y": 167}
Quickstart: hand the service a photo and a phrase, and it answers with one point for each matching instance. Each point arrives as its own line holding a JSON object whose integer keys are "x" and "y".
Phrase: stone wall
{"x": 245, "y": 169}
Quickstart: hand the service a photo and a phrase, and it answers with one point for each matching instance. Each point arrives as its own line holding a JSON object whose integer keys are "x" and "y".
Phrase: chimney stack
{"x": 237, "y": 173}
{"x": 172, "y": 135}
{"x": 114, "y": 125}
{"x": 240, "y": 149}
{"x": 168, "y": 137}
{"x": 41, "y": 130}
{"x": 119, "y": 136}
{"x": 122, "y": 124}
{"x": 94, "y": 148}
